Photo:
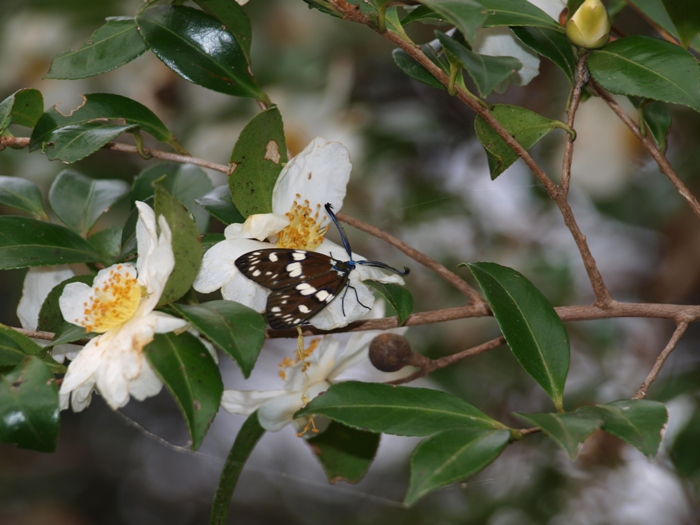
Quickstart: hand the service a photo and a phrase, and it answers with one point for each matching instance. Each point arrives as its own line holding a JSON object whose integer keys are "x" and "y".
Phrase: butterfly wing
{"x": 302, "y": 283}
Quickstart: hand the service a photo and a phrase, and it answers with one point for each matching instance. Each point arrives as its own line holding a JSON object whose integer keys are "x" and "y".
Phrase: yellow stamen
{"x": 113, "y": 304}
{"x": 304, "y": 231}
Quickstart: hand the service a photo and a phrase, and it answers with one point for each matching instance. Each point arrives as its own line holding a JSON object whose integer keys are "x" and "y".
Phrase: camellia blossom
{"x": 304, "y": 379}
{"x": 318, "y": 175}
{"x": 119, "y": 306}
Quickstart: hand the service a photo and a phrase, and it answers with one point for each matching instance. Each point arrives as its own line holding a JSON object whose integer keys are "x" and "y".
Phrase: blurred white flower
{"x": 120, "y": 306}
{"x": 38, "y": 282}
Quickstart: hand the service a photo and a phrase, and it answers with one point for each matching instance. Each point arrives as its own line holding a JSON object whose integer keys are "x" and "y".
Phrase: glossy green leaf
{"x": 467, "y": 15}
{"x": 569, "y": 430}
{"x": 107, "y": 242}
{"x": 517, "y": 13}
{"x": 421, "y": 13}
{"x": 345, "y": 453}
{"x": 527, "y": 127}
{"x": 79, "y": 201}
{"x": 186, "y": 182}
{"x": 685, "y": 452}
{"x": 23, "y": 107}
{"x": 23, "y": 195}
{"x": 550, "y": 44}
{"x": 452, "y": 456}
{"x": 15, "y": 347}
{"x": 186, "y": 246}
{"x": 256, "y": 162}
{"x": 187, "y": 368}
{"x": 103, "y": 116}
{"x": 648, "y": 68}
{"x": 198, "y": 48}
{"x": 69, "y": 333}
{"x": 27, "y": 242}
{"x": 532, "y": 328}
{"x": 486, "y": 71}
{"x": 234, "y": 328}
{"x": 29, "y": 407}
{"x": 110, "y": 46}
{"x": 413, "y": 69}
{"x": 233, "y": 16}
{"x": 685, "y": 16}
{"x": 656, "y": 118}
{"x": 246, "y": 439}
{"x": 656, "y": 12}
{"x": 218, "y": 202}
{"x": 639, "y": 422}
{"x": 399, "y": 410}
{"x": 50, "y": 316}
{"x": 397, "y": 296}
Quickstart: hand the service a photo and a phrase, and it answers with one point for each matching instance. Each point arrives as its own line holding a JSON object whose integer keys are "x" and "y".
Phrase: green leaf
{"x": 210, "y": 239}
{"x": 685, "y": 453}
{"x": 550, "y": 44}
{"x": 110, "y": 46}
{"x": 50, "y": 316}
{"x": 527, "y": 127}
{"x": 14, "y": 347}
{"x": 639, "y": 422}
{"x": 248, "y": 436}
{"x": 27, "y": 242}
{"x": 79, "y": 201}
{"x": 569, "y": 430}
{"x": 23, "y": 107}
{"x": 467, "y": 15}
{"x": 530, "y": 325}
{"x": 22, "y": 195}
{"x": 685, "y": 16}
{"x": 29, "y": 407}
{"x": 451, "y": 456}
{"x": 517, "y": 13}
{"x": 656, "y": 12}
{"x": 345, "y": 453}
{"x": 236, "y": 329}
{"x": 187, "y": 368}
{"x": 398, "y": 296}
{"x": 107, "y": 242}
{"x": 420, "y": 14}
{"x": 486, "y": 71}
{"x": 186, "y": 246}
{"x": 256, "y": 162}
{"x": 657, "y": 119}
{"x": 69, "y": 333}
{"x": 103, "y": 116}
{"x": 218, "y": 202}
{"x": 186, "y": 182}
{"x": 399, "y": 410}
{"x": 196, "y": 47}
{"x": 233, "y": 16}
{"x": 648, "y": 68}
{"x": 413, "y": 69}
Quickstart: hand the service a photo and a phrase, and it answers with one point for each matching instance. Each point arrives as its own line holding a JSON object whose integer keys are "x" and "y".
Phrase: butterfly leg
{"x": 347, "y": 287}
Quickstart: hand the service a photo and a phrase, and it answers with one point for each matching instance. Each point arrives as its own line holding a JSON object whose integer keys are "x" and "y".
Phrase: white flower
{"x": 119, "y": 306}
{"x": 318, "y": 175}
{"x": 321, "y": 368}
{"x": 38, "y": 283}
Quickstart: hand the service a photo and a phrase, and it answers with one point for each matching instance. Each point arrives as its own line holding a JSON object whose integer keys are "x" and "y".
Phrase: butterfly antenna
{"x": 377, "y": 264}
{"x": 329, "y": 210}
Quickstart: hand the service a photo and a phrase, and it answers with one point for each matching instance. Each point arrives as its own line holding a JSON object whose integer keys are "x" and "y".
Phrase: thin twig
{"x": 643, "y": 390}
{"x": 650, "y": 146}
{"x": 582, "y": 76}
{"x": 417, "y": 256}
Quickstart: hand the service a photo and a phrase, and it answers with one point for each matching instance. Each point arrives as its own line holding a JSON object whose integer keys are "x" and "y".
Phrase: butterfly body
{"x": 301, "y": 283}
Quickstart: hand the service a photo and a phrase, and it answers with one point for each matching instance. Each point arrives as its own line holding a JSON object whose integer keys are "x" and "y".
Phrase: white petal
{"x": 277, "y": 413}
{"x": 146, "y": 384}
{"x": 372, "y": 273}
{"x": 165, "y": 323}
{"x": 318, "y": 174}
{"x": 245, "y": 402}
{"x": 263, "y": 225}
{"x": 318, "y": 367}
{"x": 156, "y": 261}
{"x": 38, "y": 283}
{"x": 247, "y": 292}
{"x": 72, "y": 301}
{"x": 345, "y": 308}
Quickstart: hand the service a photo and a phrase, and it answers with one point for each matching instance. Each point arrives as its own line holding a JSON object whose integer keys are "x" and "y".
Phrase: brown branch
{"x": 417, "y": 256}
{"x": 582, "y": 76}
{"x": 603, "y": 298}
{"x": 677, "y": 334}
{"x": 650, "y": 146}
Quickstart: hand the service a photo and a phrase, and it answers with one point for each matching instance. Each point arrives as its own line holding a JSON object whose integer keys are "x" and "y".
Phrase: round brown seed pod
{"x": 390, "y": 352}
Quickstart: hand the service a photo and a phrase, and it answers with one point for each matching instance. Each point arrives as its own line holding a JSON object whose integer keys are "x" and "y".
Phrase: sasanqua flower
{"x": 318, "y": 175}
{"x": 119, "y": 306}
{"x": 589, "y": 27}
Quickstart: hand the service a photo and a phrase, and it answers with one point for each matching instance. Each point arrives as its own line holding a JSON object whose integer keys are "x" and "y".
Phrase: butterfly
{"x": 302, "y": 283}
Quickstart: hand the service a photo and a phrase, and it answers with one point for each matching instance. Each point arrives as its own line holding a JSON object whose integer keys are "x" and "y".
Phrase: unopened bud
{"x": 589, "y": 27}
{"x": 390, "y": 352}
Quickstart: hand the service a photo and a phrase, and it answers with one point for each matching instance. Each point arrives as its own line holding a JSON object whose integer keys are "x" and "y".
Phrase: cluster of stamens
{"x": 304, "y": 231}
{"x": 111, "y": 305}
{"x": 301, "y": 356}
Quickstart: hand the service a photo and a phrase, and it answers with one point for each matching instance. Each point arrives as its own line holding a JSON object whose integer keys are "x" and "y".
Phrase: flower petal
{"x": 351, "y": 304}
{"x": 263, "y": 225}
{"x": 279, "y": 411}
{"x": 318, "y": 174}
{"x": 156, "y": 260}
{"x": 72, "y": 301}
{"x": 245, "y": 402}
{"x": 38, "y": 282}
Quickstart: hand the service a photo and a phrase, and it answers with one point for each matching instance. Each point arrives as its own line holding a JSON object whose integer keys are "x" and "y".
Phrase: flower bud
{"x": 390, "y": 352}
{"x": 589, "y": 27}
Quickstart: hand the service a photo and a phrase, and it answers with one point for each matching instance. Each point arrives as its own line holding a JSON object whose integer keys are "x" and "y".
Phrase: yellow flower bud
{"x": 589, "y": 27}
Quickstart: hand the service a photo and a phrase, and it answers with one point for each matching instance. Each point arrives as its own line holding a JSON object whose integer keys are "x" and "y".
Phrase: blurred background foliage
{"x": 420, "y": 174}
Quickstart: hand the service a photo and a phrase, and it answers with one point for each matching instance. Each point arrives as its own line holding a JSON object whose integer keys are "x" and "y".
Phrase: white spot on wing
{"x": 273, "y": 257}
{"x": 299, "y": 255}
{"x": 322, "y": 295}
{"x": 303, "y": 309}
